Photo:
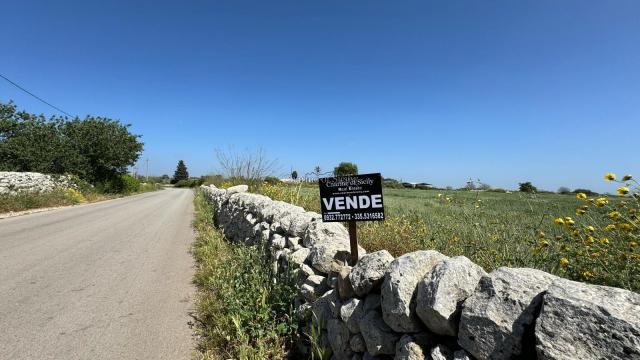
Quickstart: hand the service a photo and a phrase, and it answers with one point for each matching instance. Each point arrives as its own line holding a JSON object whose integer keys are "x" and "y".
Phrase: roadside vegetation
{"x": 241, "y": 313}
{"x": 95, "y": 151}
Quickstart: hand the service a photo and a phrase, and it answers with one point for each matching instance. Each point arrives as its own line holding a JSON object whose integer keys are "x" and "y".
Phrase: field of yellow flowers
{"x": 591, "y": 239}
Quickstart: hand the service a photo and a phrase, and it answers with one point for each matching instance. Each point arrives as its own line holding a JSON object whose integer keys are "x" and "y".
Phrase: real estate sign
{"x": 352, "y": 198}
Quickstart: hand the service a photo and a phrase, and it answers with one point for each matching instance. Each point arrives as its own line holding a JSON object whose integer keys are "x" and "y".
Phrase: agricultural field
{"x": 541, "y": 231}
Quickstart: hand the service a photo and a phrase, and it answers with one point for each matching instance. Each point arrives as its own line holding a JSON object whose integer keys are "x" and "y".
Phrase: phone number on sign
{"x": 369, "y": 216}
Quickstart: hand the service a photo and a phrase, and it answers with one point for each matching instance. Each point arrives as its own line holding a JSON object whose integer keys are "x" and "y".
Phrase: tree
{"x": 250, "y": 166}
{"x": 94, "y": 148}
{"x": 294, "y": 175}
{"x": 564, "y": 190}
{"x": 181, "y": 173}
{"x": 527, "y": 187}
{"x": 345, "y": 169}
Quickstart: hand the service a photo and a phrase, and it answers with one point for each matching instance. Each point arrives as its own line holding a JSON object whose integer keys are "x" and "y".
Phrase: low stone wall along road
{"x": 109, "y": 280}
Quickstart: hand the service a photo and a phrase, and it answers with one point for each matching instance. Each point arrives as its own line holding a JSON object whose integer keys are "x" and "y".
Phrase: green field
{"x": 495, "y": 229}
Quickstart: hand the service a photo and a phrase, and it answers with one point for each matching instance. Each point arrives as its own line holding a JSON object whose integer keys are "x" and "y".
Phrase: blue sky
{"x": 503, "y": 91}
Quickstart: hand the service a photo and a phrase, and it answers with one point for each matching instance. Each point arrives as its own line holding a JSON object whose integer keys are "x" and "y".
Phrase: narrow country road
{"x": 109, "y": 280}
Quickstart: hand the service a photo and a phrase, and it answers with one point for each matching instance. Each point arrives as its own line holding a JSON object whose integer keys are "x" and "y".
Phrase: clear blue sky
{"x": 504, "y": 91}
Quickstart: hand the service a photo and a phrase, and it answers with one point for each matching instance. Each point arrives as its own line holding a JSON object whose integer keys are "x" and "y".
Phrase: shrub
{"x": 585, "y": 191}
{"x": 119, "y": 184}
{"x": 527, "y": 187}
{"x": 564, "y": 190}
{"x": 272, "y": 180}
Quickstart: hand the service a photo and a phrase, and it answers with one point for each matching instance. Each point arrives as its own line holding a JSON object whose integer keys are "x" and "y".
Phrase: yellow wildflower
{"x": 595, "y": 255}
{"x": 624, "y": 227}
{"x": 604, "y": 240}
{"x": 587, "y": 275}
{"x": 623, "y": 190}
{"x": 590, "y": 228}
{"x": 581, "y": 196}
{"x": 590, "y": 239}
{"x": 614, "y": 214}
{"x": 627, "y": 177}
{"x": 610, "y": 227}
{"x": 569, "y": 221}
{"x": 544, "y": 243}
{"x": 600, "y": 202}
{"x": 564, "y": 262}
{"x": 633, "y": 243}
{"x": 610, "y": 176}
{"x": 559, "y": 221}
{"x": 580, "y": 211}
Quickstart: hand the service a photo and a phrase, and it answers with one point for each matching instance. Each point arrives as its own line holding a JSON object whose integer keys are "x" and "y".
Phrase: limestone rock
{"x": 580, "y": 321}
{"x": 357, "y": 344}
{"x": 441, "y": 352}
{"x": 324, "y": 255}
{"x": 278, "y": 241}
{"x": 372, "y": 302}
{"x": 345, "y": 290}
{"x": 399, "y": 289}
{"x": 237, "y": 189}
{"x": 442, "y": 291}
{"x": 408, "y": 348}
{"x": 461, "y": 355}
{"x": 369, "y": 271}
{"x": 339, "y": 339}
{"x": 299, "y": 256}
{"x": 378, "y": 336}
{"x": 325, "y": 308}
{"x": 501, "y": 313}
{"x": 293, "y": 242}
{"x": 352, "y": 312}
{"x": 296, "y": 224}
{"x": 321, "y": 232}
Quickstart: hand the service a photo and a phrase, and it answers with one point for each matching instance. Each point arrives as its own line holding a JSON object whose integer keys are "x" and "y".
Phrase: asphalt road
{"x": 109, "y": 280}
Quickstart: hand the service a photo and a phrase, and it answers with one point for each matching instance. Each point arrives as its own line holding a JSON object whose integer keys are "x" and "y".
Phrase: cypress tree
{"x": 181, "y": 172}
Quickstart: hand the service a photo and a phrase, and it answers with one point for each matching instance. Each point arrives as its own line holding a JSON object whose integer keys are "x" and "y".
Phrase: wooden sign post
{"x": 351, "y": 199}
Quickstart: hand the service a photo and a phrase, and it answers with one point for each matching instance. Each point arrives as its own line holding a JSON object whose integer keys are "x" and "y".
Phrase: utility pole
{"x": 147, "y": 172}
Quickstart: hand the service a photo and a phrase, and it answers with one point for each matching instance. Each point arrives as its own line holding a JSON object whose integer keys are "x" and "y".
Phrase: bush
{"x": 189, "y": 183}
{"x": 527, "y": 187}
{"x": 272, "y": 180}
{"x": 119, "y": 184}
{"x": 564, "y": 190}
{"x": 585, "y": 191}
{"x": 28, "y": 201}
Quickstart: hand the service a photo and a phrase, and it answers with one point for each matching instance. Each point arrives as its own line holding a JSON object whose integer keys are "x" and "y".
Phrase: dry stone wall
{"x": 425, "y": 305}
{"x": 19, "y": 182}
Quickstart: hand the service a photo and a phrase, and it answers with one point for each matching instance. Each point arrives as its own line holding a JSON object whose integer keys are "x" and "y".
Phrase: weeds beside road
{"x": 241, "y": 313}
{"x": 62, "y": 197}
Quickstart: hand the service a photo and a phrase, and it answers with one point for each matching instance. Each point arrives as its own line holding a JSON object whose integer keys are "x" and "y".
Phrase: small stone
{"x": 278, "y": 241}
{"x": 378, "y": 336}
{"x": 345, "y": 290}
{"x": 300, "y": 256}
{"x": 356, "y": 343}
{"x": 352, "y": 312}
{"x": 441, "y": 352}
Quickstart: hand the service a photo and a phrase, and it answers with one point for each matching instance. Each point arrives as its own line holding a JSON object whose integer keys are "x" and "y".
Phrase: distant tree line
{"x": 96, "y": 149}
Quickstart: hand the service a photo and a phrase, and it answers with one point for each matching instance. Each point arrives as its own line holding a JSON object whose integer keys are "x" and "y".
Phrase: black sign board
{"x": 352, "y": 198}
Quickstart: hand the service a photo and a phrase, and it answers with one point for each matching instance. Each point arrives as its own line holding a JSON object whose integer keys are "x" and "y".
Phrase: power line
{"x": 34, "y": 95}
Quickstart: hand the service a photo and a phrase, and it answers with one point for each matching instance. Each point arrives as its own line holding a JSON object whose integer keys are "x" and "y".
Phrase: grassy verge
{"x": 241, "y": 312}
{"x": 61, "y": 197}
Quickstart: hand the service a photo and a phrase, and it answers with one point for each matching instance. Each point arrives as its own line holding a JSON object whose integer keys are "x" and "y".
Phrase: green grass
{"x": 29, "y": 201}
{"x": 492, "y": 229}
{"x": 240, "y": 311}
